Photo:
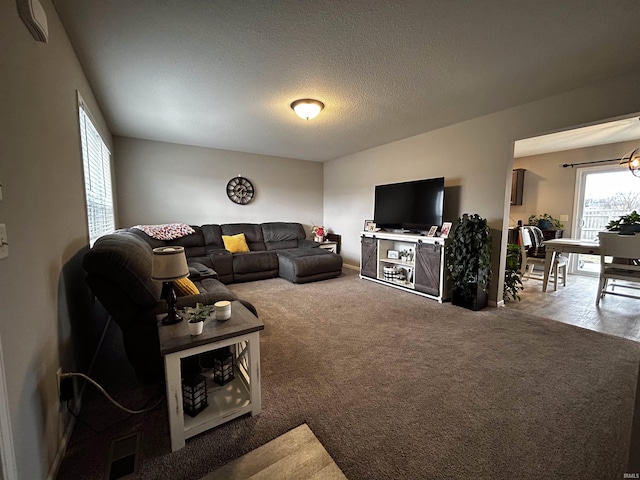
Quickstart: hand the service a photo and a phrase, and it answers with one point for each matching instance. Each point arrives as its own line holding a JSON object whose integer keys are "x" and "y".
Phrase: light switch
{"x": 4, "y": 243}
{"x": 564, "y": 218}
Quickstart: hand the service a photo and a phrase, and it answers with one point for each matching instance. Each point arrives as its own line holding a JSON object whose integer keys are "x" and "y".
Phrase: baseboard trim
{"x": 351, "y": 267}
{"x": 62, "y": 447}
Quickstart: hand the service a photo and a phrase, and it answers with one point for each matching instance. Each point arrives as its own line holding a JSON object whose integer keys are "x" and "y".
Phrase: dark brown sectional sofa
{"x": 119, "y": 274}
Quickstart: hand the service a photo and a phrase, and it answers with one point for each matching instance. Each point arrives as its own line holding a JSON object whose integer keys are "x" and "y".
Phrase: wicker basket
{"x": 393, "y": 273}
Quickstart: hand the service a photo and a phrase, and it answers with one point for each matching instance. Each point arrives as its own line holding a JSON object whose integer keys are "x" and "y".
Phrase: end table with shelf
{"x": 331, "y": 246}
{"x": 240, "y": 396}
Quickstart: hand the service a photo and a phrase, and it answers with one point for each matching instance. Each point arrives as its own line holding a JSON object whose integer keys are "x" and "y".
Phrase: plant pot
{"x": 477, "y": 301}
{"x": 629, "y": 229}
{"x": 544, "y": 224}
{"x": 319, "y": 239}
{"x": 195, "y": 328}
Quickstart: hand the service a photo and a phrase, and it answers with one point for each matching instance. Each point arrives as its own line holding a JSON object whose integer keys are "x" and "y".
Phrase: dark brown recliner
{"x": 119, "y": 274}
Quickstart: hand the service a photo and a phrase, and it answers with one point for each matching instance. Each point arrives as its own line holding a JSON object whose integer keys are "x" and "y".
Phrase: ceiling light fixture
{"x": 307, "y": 108}
{"x": 632, "y": 160}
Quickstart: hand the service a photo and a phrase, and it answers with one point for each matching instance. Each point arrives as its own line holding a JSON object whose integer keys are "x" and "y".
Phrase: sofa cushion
{"x": 254, "y": 262}
{"x": 125, "y": 259}
{"x": 296, "y": 264}
{"x": 235, "y": 243}
{"x": 252, "y": 233}
{"x": 193, "y": 244}
{"x": 212, "y": 235}
{"x": 281, "y": 235}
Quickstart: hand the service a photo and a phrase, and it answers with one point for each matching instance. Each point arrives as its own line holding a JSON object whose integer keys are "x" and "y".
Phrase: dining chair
{"x": 533, "y": 254}
{"x": 624, "y": 252}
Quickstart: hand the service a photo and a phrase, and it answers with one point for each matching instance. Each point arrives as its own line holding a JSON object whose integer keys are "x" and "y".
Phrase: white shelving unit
{"x": 425, "y": 273}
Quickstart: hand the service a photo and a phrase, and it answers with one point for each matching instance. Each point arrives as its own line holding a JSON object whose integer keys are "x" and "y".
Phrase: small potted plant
{"x": 196, "y": 316}
{"x": 405, "y": 256}
{"x": 469, "y": 262}
{"x": 512, "y": 281}
{"x": 625, "y": 225}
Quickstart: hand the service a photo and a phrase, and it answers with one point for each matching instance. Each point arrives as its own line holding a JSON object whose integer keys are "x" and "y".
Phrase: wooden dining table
{"x": 565, "y": 245}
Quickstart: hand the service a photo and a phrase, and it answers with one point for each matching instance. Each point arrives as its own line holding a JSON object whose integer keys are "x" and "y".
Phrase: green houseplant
{"x": 626, "y": 224}
{"x": 196, "y": 317}
{"x": 545, "y": 222}
{"x": 512, "y": 281}
{"x": 469, "y": 261}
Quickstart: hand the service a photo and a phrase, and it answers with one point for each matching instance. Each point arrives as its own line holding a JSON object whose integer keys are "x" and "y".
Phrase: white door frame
{"x": 9, "y": 470}
{"x": 581, "y": 175}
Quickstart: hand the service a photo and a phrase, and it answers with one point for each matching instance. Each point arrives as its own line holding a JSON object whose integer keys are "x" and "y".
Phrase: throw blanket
{"x": 168, "y": 231}
{"x": 537, "y": 239}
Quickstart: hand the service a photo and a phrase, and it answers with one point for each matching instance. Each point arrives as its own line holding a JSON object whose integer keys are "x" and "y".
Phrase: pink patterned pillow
{"x": 168, "y": 231}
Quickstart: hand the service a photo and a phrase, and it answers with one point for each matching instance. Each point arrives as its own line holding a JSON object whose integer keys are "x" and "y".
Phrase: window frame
{"x": 97, "y": 175}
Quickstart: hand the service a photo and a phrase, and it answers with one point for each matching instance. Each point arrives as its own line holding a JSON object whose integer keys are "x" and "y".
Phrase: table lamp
{"x": 169, "y": 264}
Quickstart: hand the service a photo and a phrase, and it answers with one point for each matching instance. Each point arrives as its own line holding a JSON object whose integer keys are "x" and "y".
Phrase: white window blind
{"x": 97, "y": 178}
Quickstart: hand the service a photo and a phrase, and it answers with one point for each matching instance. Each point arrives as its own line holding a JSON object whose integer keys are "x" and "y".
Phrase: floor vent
{"x": 123, "y": 457}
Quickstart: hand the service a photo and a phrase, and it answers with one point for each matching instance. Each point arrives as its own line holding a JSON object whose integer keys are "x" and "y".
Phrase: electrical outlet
{"x": 66, "y": 388}
{"x": 4, "y": 243}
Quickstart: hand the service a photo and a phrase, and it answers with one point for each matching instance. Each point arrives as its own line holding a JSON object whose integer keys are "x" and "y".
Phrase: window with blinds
{"x": 97, "y": 178}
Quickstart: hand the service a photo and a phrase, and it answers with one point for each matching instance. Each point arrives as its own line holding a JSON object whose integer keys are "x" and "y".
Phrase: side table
{"x": 331, "y": 246}
{"x": 240, "y": 396}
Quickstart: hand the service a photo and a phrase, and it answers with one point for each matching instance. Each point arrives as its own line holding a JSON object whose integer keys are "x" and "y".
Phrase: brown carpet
{"x": 398, "y": 386}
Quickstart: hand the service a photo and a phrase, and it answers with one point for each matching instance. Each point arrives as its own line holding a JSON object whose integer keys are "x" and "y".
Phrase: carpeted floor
{"x": 398, "y": 386}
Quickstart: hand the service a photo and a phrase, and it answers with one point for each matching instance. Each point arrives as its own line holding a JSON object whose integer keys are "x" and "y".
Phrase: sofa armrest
{"x": 199, "y": 271}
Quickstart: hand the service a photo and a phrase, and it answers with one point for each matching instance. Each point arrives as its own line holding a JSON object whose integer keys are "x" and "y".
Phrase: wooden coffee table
{"x": 238, "y": 397}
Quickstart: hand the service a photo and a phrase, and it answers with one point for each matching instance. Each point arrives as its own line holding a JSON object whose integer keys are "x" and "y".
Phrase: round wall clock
{"x": 240, "y": 190}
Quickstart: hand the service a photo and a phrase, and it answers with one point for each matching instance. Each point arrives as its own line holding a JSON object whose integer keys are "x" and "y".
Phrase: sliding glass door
{"x": 602, "y": 194}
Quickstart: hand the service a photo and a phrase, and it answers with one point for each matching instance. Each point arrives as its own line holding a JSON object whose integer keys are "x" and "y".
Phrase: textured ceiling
{"x": 223, "y": 73}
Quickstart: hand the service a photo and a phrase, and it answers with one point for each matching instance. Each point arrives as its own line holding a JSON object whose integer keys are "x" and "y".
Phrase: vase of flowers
{"x": 319, "y": 233}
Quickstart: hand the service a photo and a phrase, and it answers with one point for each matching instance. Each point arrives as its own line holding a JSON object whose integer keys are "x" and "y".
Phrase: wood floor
{"x": 296, "y": 455}
{"x": 576, "y": 304}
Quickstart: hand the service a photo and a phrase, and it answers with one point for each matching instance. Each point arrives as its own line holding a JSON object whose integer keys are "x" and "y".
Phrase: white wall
{"x": 164, "y": 182}
{"x": 43, "y": 208}
{"x": 475, "y": 157}
{"x": 550, "y": 188}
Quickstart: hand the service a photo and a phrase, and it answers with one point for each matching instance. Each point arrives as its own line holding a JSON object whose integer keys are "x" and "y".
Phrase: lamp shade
{"x": 307, "y": 108}
{"x": 169, "y": 263}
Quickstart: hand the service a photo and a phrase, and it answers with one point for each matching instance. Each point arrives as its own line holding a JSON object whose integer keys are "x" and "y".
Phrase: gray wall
{"x": 549, "y": 188}
{"x": 43, "y": 208}
{"x": 475, "y": 157}
{"x": 160, "y": 182}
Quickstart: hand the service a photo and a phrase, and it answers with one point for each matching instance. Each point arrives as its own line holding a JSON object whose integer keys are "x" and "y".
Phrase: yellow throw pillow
{"x": 235, "y": 243}
{"x": 184, "y": 287}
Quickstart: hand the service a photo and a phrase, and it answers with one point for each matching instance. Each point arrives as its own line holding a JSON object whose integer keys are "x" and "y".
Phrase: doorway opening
{"x": 575, "y": 177}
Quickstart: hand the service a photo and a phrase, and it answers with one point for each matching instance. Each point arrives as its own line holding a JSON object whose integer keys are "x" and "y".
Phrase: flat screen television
{"x": 413, "y": 206}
